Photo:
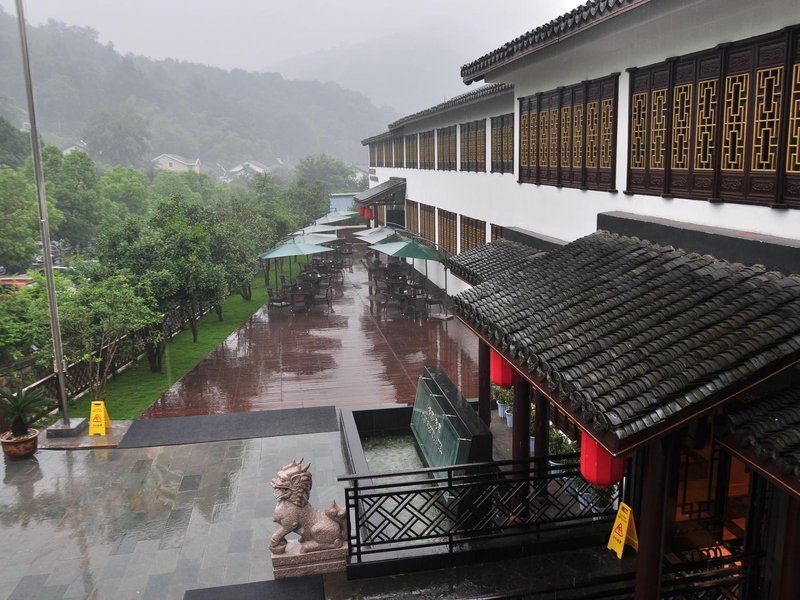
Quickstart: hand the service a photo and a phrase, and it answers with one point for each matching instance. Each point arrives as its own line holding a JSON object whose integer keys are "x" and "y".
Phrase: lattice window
{"x": 480, "y": 147}
{"x": 544, "y": 138}
{"x": 411, "y": 151}
{"x": 638, "y": 142}
{"x": 496, "y": 232}
{"x": 793, "y": 143}
{"x": 533, "y": 135}
{"x": 427, "y": 223}
{"x": 412, "y": 216}
{"x": 399, "y": 152}
{"x": 503, "y": 144}
{"x": 566, "y": 137}
{"x": 553, "y": 137}
{"x": 658, "y": 129}
{"x": 592, "y": 134}
{"x": 473, "y": 233}
{"x": 426, "y": 150}
{"x": 577, "y": 136}
{"x": 681, "y": 125}
{"x": 733, "y": 114}
{"x": 523, "y": 140}
{"x": 734, "y": 123}
{"x": 607, "y": 134}
{"x": 767, "y": 117}
{"x": 447, "y": 231}
{"x": 446, "y": 148}
{"x": 706, "y": 129}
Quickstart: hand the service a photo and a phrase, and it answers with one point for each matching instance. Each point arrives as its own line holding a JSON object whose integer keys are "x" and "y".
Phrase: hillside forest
{"x": 129, "y": 109}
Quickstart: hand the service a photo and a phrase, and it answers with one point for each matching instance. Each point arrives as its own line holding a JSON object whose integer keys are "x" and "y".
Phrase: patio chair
{"x": 276, "y": 301}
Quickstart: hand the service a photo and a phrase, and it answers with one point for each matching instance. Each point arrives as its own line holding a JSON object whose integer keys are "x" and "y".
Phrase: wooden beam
{"x": 790, "y": 574}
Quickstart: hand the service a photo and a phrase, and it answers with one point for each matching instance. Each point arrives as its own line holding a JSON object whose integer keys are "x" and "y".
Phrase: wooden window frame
{"x": 412, "y": 216}
{"x": 473, "y": 146}
{"x": 447, "y": 226}
{"x": 411, "y": 152}
{"x": 446, "y": 148}
{"x": 427, "y": 222}
{"x": 503, "y": 143}
{"x": 571, "y": 136}
{"x": 473, "y": 233}
{"x": 732, "y": 130}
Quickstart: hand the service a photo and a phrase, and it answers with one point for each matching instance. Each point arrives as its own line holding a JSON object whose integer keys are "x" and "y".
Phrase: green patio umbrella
{"x": 335, "y": 217}
{"x": 315, "y": 238}
{"x": 292, "y": 249}
{"x": 316, "y": 229}
{"x": 414, "y": 249}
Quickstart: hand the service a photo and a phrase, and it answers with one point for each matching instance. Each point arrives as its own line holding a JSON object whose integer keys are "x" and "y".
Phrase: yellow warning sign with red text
{"x": 98, "y": 418}
{"x": 624, "y": 531}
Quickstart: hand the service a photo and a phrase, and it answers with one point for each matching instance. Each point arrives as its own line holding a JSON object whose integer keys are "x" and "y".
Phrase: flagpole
{"x": 44, "y": 227}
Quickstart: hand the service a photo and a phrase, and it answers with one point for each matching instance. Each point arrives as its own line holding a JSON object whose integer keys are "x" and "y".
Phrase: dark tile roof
{"x": 629, "y": 334}
{"x": 479, "y": 264}
{"x": 389, "y": 192}
{"x": 771, "y": 427}
{"x": 485, "y": 91}
{"x": 580, "y": 18}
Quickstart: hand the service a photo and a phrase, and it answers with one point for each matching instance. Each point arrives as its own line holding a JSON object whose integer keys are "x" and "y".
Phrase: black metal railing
{"x": 721, "y": 578}
{"x": 77, "y": 375}
{"x": 452, "y": 506}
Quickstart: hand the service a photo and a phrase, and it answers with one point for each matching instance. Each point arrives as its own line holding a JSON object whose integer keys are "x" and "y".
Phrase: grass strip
{"x": 136, "y": 388}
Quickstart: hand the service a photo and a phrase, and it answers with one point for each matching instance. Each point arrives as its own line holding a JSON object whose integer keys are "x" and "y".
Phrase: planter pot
{"x": 20, "y": 447}
{"x": 509, "y": 419}
{"x": 501, "y": 409}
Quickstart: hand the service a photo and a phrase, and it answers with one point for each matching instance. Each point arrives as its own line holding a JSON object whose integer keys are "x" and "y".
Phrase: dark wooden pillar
{"x": 484, "y": 383}
{"x": 541, "y": 433}
{"x": 650, "y": 522}
{"x": 790, "y": 574}
{"x": 521, "y": 430}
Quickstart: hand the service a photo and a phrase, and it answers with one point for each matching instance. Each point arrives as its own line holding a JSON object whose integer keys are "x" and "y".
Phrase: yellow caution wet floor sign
{"x": 98, "y": 418}
{"x": 624, "y": 531}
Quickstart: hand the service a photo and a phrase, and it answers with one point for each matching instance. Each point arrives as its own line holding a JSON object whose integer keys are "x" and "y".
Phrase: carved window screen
{"x": 427, "y": 222}
{"x": 447, "y": 231}
{"x": 411, "y": 151}
{"x": 412, "y": 216}
{"x": 721, "y": 124}
{"x": 473, "y": 233}
{"x": 571, "y": 135}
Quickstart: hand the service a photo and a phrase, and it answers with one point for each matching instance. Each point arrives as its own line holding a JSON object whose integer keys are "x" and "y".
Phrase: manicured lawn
{"x": 137, "y": 388}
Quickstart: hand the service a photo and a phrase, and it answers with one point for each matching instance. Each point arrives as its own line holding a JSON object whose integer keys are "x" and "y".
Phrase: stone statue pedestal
{"x": 294, "y": 563}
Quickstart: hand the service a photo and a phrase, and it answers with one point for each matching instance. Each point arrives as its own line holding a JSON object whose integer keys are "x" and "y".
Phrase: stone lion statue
{"x": 318, "y": 530}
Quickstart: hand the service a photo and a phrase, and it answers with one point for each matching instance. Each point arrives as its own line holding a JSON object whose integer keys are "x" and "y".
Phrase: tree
{"x": 19, "y": 225}
{"x": 118, "y": 139}
{"x": 125, "y": 187}
{"x": 167, "y": 184}
{"x": 183, "y": 229}
{"x": 15, "y": 146}
{"x": 77, "y": 196}
{"x": 333, "y": 174}
{"x": 97, "y": 318}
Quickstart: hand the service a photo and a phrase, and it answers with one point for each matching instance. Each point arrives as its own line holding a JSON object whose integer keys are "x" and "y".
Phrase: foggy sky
{"x": 253, "y": 34}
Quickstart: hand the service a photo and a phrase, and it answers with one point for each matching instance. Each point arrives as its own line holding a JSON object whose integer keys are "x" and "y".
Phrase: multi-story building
{"x": 675, "y": 121}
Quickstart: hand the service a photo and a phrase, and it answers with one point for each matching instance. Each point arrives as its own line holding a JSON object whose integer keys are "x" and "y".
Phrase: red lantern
{"x": 361, "y": 210}
{"x": 598, "y": 466}
{"x": 368, "y": 213}
{"x": 501, "y": 372}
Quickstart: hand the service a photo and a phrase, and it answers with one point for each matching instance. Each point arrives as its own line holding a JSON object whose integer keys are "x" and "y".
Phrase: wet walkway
{"x": 345, "y": 356}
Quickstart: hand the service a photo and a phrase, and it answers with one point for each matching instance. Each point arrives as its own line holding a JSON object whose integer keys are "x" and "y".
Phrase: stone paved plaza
{"x": 151, "y": 522}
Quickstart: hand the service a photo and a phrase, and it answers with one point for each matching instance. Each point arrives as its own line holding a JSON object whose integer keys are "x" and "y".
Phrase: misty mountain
{"x": 408, "y": 72}
{"x": 83, "y": 87}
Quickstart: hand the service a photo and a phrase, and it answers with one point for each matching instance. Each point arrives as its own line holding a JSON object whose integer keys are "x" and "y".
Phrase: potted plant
{"x": 509, "y": 415}
{"x": 18, "y": 407}
{"x": 502, "y": 397}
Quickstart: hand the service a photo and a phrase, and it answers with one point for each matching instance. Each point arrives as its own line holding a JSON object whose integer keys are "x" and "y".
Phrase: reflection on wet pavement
{"x": 151, "y": 522}
{"x": 346, "y": 356}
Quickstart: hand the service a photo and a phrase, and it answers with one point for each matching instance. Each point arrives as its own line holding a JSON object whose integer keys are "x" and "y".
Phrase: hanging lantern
{"x": 598, "y": 466}
{"x": 368, "y": 213}
{"x": 501, "y": 372}
{"x": 361, "y": 210}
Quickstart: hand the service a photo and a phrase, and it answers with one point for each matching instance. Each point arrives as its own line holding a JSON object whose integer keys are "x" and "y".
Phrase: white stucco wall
{"x": 650, "y": 34}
